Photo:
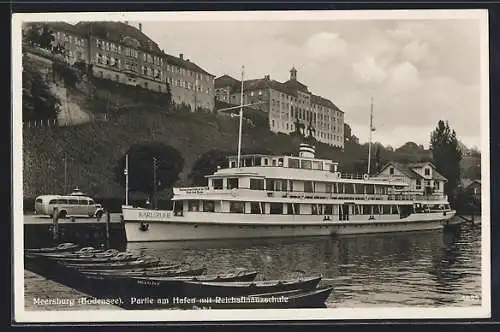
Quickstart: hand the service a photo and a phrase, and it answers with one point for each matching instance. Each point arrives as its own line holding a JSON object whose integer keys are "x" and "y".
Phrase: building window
{"x": 208, "y": 206}
{"x": 391, "y": 171}
{"x": 255, "y": 208}
{"x": 217, "y": 183}
{"x": 308, "y": 187}
{"x": 232, "y": 183}
{"x": 237, "y": 207}
{"x": 257, "y": 184}
{"x": 276, "y": 208}
{"x": 193, "y": 206}
{"x": 418, "y": 184}
{"x": 427, "y": 172}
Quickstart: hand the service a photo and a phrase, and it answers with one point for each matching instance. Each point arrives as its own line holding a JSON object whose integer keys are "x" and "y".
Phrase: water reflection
{"x": 397, "y": 269}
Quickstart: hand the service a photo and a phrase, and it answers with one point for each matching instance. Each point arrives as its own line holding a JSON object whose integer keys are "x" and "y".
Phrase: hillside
{"x": 134, "y": 116}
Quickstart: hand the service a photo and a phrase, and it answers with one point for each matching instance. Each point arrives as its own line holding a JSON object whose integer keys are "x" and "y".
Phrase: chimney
{"x": 267, "y": 77}
{"x": 181, "y": 56}
{"x": 140, "y": 27}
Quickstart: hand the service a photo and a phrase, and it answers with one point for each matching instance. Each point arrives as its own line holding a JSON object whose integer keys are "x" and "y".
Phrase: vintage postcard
{"x": 228, "y": 166}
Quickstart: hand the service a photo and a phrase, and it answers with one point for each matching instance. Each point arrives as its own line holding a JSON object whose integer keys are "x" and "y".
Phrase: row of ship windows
{"x": 295, "y": 208}
{"x": 308, "y": 186}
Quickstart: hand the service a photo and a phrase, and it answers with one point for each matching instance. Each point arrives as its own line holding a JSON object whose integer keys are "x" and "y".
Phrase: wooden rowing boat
{"x": 116, "y": 284}
{"x": 63, "y": 247}
{"x": 88, "y": 252}
{"x": 153, "y": 271}
{"x": 238, "y": 288}
{"x": 313, "y": 298}
{"x": 95, "y": 259}
{"x": 297, "y": 298}
{"x": 136, "y": 263}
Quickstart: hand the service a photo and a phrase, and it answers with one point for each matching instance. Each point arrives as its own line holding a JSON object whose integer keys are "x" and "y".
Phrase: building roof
{"x": 324, "y": 102}
{"x": 293, "y": 86}
{"x": 63, "y": 26}
{"x": 409, "y": 170}
{"x": 184, "y": 63}
{"x": 289, "y": 87}
{"x": 119, "y": 32}
{"x": 226, "y": 80}
{"x": 123, "y": 33}
{"x": 468, "y": 182}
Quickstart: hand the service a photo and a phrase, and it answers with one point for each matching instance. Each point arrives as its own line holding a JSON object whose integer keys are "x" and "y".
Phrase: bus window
{"x": 62, "y": 201}
{"x": 91, "y": 202}
{"x": 53, "y": 201}
{"x": 83, "y": 202}
{"x": 73, "y": 201}
{"x": 39, "y": 200}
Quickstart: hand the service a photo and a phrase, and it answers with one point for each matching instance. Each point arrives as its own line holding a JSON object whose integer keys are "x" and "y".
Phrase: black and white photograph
{"x": 265, "y": 165}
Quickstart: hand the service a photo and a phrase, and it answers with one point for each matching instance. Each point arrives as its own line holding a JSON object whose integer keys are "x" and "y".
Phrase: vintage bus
{"x": 74, "y": 204}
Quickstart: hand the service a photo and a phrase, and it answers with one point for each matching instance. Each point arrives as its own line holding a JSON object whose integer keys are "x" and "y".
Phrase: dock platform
{"x": 39, "y": 231}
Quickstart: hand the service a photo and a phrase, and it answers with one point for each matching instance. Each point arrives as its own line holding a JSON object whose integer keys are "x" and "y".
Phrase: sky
{"x": 417, "y": 71}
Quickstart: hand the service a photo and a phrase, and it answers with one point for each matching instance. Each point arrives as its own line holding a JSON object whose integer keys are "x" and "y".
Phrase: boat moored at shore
{"x": 286, "y": 196}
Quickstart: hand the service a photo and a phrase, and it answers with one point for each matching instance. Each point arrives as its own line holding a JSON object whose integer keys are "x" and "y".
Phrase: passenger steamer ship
{"x": 289, "y": 196}
{"x": 286, "y": 196}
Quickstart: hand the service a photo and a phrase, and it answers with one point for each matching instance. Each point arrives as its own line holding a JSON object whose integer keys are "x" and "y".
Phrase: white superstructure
{"x": 276, "y": 196}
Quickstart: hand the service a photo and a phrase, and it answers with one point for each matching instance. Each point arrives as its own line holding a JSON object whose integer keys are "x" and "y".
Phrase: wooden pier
{"x": 43, "y": 231}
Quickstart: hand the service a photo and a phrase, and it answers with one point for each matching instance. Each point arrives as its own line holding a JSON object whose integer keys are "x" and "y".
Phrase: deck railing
{"x": 250, "y": 193}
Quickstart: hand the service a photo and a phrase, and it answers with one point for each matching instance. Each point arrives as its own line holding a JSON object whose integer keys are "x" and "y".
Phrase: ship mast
{"x": 126, "y": 179}
{"x": 241, "y": 115}
{"x": 370, "y": 139}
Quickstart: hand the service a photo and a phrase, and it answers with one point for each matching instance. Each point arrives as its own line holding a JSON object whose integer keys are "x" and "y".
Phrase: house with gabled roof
{"x": 422, "y": 178}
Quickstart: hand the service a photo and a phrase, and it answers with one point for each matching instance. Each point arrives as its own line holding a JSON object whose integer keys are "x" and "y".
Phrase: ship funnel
{"x": 306, "y": 150}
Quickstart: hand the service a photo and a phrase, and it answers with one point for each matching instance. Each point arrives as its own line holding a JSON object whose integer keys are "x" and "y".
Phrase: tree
{"x": 71, "y": 75}
{"x": 207, "y": 164}
{"x": 446, "y": 155}
{"x": 169, "y": 163}
{"x": 32, "y": 35}
{"x": 46, "y": 37}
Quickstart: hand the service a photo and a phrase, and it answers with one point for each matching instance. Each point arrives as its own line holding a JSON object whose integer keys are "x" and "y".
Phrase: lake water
{"x": 436, "y": 268}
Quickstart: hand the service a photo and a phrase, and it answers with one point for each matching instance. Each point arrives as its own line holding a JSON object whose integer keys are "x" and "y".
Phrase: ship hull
{"x": 164, "y": 226}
